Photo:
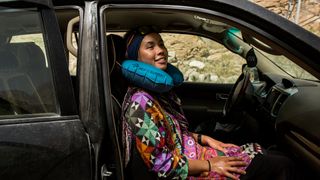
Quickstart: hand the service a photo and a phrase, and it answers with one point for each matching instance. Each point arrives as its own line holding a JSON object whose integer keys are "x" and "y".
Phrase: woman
{"x": 155, "y": 127}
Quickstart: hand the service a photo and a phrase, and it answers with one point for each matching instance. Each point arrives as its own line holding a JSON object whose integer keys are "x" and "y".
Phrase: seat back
{"x": 116, "y": 54}
{"x": 33, "y": 62}
{"x": 18, "y": 88}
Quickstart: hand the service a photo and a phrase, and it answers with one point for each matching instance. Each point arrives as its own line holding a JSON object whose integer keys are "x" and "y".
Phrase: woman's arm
{"x": 197, "y": 167}
{"x": 195, "y": 136}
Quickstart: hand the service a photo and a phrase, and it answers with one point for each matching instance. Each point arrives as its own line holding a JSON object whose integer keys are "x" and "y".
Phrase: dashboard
{"x": 292, "y": 107}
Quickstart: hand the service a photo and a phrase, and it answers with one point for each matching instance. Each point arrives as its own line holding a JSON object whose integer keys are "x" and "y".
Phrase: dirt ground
{"x": 308, "y": 16}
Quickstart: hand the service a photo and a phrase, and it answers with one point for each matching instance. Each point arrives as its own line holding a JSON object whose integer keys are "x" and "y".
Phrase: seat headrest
{"x": 116, "y": 50}
{"x": 29, "y": 54}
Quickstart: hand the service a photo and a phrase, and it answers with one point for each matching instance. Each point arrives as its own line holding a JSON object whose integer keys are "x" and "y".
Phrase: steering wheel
{"x": 237, "y": 93}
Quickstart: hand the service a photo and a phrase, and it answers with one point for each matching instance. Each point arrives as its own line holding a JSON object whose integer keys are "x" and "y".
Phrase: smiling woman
{"x": 155, "y": 131}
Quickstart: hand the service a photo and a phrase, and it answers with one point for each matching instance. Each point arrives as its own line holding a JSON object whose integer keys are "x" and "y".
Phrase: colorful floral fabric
{"x": 157, "y": 138}
{"x": 159, "y": 130}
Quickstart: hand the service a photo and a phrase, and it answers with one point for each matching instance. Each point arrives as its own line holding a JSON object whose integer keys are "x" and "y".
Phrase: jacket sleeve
{"x": 151, "y": 138}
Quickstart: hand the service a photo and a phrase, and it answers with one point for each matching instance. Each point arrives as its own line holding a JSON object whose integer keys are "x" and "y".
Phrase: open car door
{"x": 41, "y": 135}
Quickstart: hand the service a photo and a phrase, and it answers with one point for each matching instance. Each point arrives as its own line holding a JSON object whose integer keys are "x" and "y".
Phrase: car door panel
{"x": 203, "y": 101}
{"x": 45, "y": 148}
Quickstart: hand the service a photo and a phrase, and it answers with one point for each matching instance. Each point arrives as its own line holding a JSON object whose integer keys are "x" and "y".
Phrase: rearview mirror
{"x": 232, "y": 40}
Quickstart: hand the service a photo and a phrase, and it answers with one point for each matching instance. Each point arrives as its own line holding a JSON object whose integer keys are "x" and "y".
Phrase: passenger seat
{"x": 18, "y": 90}
{"x": 136, "y": 168}
{"x": 116, "y": 54}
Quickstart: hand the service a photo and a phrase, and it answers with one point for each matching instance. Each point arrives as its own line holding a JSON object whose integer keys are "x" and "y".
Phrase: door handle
{"x": 105, "y": 173}
{"x": 222, "y": 96}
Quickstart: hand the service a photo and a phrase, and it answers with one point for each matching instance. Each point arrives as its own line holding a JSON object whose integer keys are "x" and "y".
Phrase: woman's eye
{"x": 150, "y": 47}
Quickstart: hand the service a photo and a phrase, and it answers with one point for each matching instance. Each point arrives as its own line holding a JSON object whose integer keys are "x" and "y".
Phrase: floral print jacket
{"x": 156, "y": 135}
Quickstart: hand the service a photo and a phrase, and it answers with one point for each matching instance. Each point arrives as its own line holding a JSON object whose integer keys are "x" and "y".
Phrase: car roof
{"x": 242, "y": 9}
{"x": 259, "y": 18}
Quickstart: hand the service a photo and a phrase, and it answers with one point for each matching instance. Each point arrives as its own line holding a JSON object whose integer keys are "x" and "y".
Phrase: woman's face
{"x": 152, "y": 51}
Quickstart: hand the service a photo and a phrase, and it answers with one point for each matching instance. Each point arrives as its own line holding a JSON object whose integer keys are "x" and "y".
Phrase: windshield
{"x": 289, "y": 66}
{"x": 233, "y": 40}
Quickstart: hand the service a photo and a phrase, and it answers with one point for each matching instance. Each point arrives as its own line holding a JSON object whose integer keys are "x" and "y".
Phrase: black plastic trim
{"x": 58, "y": 63}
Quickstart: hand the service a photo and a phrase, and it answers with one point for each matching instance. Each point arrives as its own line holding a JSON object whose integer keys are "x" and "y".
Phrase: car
{"x": 250, "y": 75}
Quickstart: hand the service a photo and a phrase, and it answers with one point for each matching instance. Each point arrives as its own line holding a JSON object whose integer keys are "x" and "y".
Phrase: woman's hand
{"x": 206, "y": 140}
{"x": 225, "y": 166}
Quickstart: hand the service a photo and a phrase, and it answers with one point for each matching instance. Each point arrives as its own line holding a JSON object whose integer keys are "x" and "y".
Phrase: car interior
{"x": 265, "y": 104}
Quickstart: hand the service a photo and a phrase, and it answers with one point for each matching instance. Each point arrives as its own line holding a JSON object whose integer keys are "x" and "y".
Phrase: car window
{"x": 26, "y": 83}
{"x": 201, "y": 59}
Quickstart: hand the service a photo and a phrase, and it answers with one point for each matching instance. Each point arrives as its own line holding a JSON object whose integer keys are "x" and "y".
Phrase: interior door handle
{"x": 222, "y": 96}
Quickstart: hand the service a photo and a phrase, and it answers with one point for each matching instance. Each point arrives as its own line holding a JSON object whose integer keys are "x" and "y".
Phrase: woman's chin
{"x": 162, "y": 66}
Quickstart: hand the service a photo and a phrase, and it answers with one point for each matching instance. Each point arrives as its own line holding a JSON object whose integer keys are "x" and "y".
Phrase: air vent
{"x": 287, "y": 83}
{"x": 277, "y": 105}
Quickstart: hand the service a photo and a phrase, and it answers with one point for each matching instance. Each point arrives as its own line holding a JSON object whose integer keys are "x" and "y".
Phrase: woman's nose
{"x": 160, "y": 50}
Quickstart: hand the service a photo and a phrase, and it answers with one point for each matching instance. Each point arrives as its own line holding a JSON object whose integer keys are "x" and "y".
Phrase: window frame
{"x": 55, "y": 54}
{"x": 58, "y": 61}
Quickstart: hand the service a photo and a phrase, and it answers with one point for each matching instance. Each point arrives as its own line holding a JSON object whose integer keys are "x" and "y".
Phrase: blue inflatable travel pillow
{"x": 149, "y": 77}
